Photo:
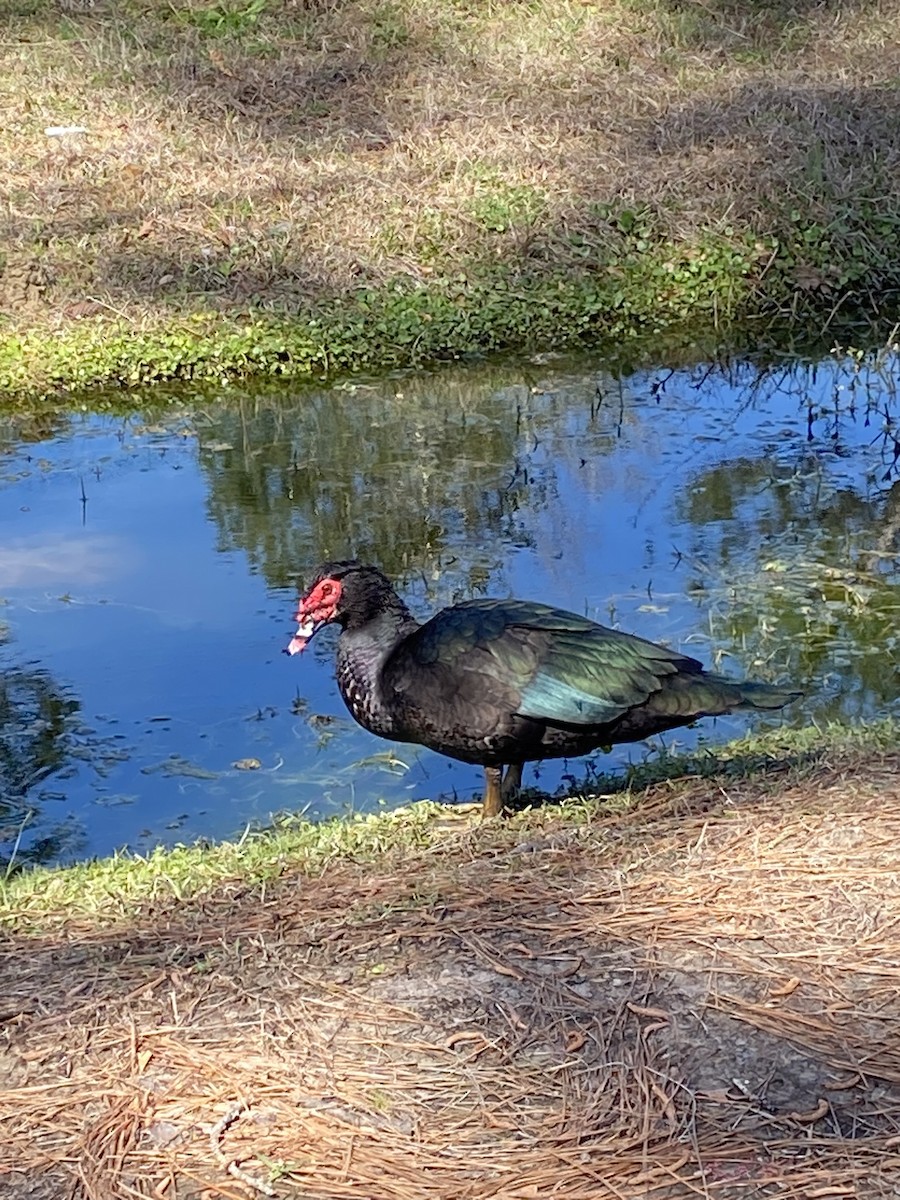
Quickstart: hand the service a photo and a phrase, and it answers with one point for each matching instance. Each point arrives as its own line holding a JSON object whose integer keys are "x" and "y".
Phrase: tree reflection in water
{"x": 404, "y": 481}
{"x": 38, "y": 728}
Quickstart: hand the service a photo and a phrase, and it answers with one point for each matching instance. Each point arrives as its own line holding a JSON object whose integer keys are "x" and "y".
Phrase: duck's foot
{"x": 492, "y": 804}
{"x": 499, "y": 790}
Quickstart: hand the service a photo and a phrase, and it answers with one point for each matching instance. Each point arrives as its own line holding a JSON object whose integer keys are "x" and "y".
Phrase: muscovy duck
{"x": 504, "y": 682}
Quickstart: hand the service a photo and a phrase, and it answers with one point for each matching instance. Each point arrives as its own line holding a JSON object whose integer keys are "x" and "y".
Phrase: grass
{"x": 112, "y": 889}
{"x": 267, "y": 186}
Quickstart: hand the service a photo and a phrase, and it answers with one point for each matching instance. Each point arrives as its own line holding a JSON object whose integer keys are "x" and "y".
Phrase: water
{"x": 149, "y": 567}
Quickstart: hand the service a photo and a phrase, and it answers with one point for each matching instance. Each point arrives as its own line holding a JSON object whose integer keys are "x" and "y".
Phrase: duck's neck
{"x": 363, "y": 649}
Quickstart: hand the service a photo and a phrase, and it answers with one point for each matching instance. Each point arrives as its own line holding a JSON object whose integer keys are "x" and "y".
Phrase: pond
{"x": 149, "y": 566}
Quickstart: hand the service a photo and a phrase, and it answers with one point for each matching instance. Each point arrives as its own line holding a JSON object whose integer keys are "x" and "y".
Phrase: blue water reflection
{"x": 149, "y": 565}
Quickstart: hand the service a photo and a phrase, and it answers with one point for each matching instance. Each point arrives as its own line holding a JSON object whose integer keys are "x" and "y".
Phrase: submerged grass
{"x": 108, "y": 890}
{"x": 267, "y": 186}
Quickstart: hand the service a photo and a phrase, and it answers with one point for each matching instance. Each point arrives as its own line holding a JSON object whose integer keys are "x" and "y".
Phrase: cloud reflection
{"x": 60, "y": 561}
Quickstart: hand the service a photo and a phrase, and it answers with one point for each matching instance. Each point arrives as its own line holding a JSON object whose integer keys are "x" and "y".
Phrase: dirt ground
{"x": 695, "y": 998}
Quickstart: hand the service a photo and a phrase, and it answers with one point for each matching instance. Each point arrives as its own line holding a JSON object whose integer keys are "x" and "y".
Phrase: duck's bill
{"x": 305, "y": 630}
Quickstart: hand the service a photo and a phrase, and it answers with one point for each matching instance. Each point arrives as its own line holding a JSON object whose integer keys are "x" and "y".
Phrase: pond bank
{"x": 296, "y": 189}
{"x": 678, "y": 991}
{"x": 106, "y": 890}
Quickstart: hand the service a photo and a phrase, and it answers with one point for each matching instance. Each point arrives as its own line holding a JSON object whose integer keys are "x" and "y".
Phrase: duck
{"x": 502, "y": 682}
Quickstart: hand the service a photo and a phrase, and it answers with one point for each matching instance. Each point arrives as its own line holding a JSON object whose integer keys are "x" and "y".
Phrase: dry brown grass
{"x": 697, "y": 998}
{"x": 234, "y": 163}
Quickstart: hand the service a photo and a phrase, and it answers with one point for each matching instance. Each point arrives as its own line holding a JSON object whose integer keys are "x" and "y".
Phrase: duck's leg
{"x": 492, "y": 804}
{"x": 499, "y": 789}
{"x": 512, "y": 783}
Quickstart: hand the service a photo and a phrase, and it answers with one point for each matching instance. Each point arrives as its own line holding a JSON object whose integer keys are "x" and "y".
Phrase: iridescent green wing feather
{"x": 561, "y": 667}
{"x": 587, "y": 674}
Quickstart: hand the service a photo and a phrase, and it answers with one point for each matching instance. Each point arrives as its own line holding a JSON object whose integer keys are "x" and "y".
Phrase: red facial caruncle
{"x": 316, "y": 608}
